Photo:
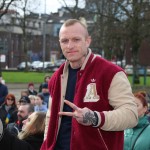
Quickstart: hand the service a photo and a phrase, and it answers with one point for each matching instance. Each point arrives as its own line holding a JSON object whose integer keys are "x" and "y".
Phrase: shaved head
{"x": 71, "y": 22}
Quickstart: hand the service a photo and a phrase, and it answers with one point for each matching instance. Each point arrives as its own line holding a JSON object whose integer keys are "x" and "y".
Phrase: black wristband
{"x": 95, "y": 122}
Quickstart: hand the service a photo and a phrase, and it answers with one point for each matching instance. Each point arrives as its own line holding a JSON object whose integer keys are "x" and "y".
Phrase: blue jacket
{"x": 42, "y": 108}
{"x": 143, "y": 141}
{"x": 3, "y": 92}
{"x": 46, "y": 98}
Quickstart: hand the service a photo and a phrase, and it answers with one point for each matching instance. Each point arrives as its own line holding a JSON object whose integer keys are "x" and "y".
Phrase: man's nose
{"x": 70, "y": 44}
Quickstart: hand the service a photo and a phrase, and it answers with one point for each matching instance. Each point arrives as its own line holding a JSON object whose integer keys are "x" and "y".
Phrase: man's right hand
{"x": 84, "y": 116}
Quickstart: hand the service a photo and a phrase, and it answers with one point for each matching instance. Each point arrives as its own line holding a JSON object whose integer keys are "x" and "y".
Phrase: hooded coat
{"x": 138, "y": 138}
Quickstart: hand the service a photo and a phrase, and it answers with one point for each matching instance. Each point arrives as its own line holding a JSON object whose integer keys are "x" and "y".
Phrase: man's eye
{"x": 76, "y": 40}
{"x": 64, "y": 41}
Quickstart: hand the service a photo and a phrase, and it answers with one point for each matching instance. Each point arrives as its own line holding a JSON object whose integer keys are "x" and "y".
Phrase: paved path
{"x": 16, "y": 92}
{"x": 16, "y": 88}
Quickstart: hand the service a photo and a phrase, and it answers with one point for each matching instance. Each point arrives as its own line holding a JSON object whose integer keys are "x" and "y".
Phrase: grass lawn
{"x": 37, "y": 77}
{"x": 143, "y": 81}
{"x": 143, "y": 86}
{"x": 24, "y": 77}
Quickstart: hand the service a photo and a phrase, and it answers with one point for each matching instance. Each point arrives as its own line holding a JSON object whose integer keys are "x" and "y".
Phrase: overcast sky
{"x": 51, "y": 5}
{"x": 38, "y": 6}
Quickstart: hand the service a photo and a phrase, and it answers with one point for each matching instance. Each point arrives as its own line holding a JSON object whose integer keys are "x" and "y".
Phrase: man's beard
{"x": 22, "y": 119}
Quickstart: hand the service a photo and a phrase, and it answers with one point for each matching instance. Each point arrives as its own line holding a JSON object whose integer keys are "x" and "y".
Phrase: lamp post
{"x": 44, "y": 36}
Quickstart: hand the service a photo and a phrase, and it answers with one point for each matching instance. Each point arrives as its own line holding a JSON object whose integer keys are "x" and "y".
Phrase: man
{"x": 31, "y": 89}
{"x": 46, "y": 79}
{"x": 92, "y": 101}
{"x": 24, "y": 111}
{"x": 3, "y": 91}
{"x": 45, "y": 93}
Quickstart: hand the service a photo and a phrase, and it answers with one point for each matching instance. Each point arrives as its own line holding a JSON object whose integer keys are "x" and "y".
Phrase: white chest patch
{"x": 91, "y": 93}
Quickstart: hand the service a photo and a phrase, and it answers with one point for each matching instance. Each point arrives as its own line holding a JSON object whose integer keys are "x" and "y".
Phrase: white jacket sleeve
{"x": 121, "y": 98}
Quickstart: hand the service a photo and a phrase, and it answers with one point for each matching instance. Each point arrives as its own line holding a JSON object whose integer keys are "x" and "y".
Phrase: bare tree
{"x": 74, "y": 7}
{"x": 4, "y": 5}
{"x": 106, "y": 29}
{"x": 25, "y": 7}
{"x": 118, "y": 22}
{"x": 136, "y": 23}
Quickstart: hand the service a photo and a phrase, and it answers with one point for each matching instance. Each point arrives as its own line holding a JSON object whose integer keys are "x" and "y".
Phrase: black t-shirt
{"x": 64, "y": 135}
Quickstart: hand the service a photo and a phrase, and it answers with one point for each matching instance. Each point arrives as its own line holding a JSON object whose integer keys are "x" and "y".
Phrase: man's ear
{"x": 1, "y": 130}
{"x": 88, "y": 41}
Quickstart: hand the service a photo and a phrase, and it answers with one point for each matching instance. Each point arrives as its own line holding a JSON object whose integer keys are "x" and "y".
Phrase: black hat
{"x": 24, "y": 99}
{"x": 45, "y": 85}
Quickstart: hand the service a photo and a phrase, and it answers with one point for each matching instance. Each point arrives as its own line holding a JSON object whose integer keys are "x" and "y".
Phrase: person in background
{"x": 31, "y": 89}
{"x": 91, "y": 98}
{"x": 24, "y": 100}
{"x": 148, "y": 103}
{"x": 40, "y": 105}
{"x": 46, "y": 79}
{"x": 3, "y": 91}
{"x": 7, "y": 109}
{"x": 24, "y": 93}
{"x": 33, "y": 130}
{"x": 24, "y": 111}
{"x": 32, "y": 99}
{"x": 138, "y": 138}
{"x": 10, "y": 142}
{"x": 45, "y": 93}
{"x": 31, "y": 136}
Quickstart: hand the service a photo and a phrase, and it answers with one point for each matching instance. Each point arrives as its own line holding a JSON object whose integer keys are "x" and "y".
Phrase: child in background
{"x": 39, "y": 103}
{"x": 32, "y": 99}
{"x": 24, "y": 93}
